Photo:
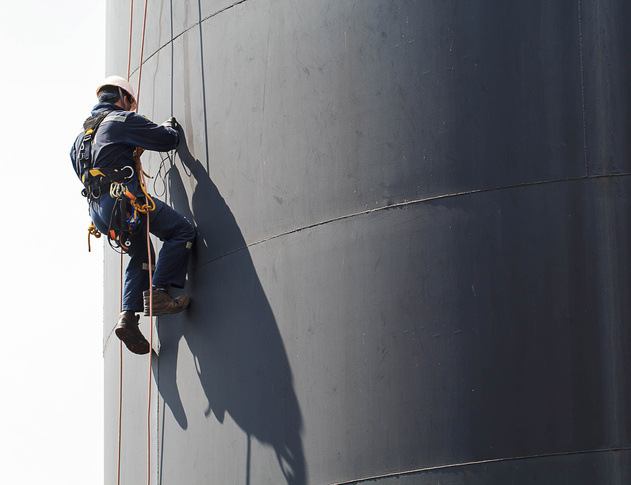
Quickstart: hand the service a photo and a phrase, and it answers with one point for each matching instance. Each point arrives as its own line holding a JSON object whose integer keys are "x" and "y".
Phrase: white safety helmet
{"x": 119, "y": 82}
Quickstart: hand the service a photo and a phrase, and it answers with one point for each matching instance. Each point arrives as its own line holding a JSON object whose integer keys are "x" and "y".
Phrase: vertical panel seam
{"x": 583, "y": 114}
{"x": 201, "y": 58}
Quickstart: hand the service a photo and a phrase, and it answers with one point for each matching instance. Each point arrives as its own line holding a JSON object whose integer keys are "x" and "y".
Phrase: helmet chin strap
{"x": 120, "y": 94}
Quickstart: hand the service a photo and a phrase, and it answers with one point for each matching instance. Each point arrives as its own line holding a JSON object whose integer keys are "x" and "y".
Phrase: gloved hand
{"x": 171, "y": 123}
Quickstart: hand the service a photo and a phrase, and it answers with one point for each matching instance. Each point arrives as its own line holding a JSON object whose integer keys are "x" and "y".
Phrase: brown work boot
{"x": 163, "y": 303}
{"x": 127, "y": 330}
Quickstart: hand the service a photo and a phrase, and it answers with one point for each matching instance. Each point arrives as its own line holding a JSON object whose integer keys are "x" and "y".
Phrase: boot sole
{"x": 136, "y": 344}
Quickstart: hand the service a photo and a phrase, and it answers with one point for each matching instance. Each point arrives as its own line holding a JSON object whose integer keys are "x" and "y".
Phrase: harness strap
{"x": 97, "y": 181}
{"x": 90, "y": 126}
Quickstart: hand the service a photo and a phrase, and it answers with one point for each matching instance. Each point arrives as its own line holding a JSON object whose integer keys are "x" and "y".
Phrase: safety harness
{"x": 99, "y": 181}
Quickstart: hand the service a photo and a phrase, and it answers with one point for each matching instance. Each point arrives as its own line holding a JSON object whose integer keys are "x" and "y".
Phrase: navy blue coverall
{"x": 113, "y": 147}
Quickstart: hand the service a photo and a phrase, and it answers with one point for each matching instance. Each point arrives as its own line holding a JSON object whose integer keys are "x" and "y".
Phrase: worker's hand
{"x": 171, "y": 123}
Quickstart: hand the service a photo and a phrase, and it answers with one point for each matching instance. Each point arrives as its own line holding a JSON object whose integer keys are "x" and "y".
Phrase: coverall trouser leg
{"x": 177, "y": 235}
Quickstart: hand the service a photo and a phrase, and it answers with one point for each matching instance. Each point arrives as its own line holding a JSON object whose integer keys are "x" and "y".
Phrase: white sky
{"x": 52, "y": 57}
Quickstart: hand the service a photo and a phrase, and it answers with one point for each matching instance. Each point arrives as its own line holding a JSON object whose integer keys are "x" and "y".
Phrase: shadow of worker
{"x": 231, "y": 331}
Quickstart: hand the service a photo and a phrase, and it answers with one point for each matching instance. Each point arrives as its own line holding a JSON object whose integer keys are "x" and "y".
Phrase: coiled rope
{"x": 93, "y": 231}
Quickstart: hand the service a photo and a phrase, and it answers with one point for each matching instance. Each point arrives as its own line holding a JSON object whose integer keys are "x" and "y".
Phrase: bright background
{"x": 51, "y": 347}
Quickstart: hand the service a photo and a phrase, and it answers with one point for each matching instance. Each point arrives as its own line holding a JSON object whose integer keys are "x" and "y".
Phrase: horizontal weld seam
{"x": 481, "y": 462}
{"x": 412, "y": 202}
{"x": 188, "y": 29}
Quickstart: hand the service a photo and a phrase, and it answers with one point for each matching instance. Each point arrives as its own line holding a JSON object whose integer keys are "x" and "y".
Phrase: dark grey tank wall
{"x": 412, "y": 259}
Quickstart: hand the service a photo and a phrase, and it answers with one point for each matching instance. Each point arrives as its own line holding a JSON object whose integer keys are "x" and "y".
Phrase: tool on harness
{"x": 125, "y": 218}
{"x": 125, "y": 214}
{"x": 98, "y": 181}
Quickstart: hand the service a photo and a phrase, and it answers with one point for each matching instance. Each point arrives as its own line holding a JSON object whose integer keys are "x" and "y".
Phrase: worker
{"x": 103, "y": 158}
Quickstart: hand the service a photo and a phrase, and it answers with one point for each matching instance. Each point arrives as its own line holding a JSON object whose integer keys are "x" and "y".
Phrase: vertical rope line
{"x": 141, "y": 174}
{"x": 142, "y": 47}
{"x": 158, "y": 442}
{"x": 172, "y": 54}
{"x": 120, "y": 382}
{"x": 131, "y": 19}
{"x": 120, "y": 408}
{"x": 150, "y": 356}
{"x": 120, "y": 342}
{"x": 582, "y": 67}
{"x": 201, "y": 58}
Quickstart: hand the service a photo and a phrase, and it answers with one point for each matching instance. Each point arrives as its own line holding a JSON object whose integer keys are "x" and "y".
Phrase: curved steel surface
{"x": 412, "y": 262}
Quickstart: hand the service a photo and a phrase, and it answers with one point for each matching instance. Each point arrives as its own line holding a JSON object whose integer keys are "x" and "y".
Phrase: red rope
{"x": 150, "y": 356}
{"x": 120, "y": 342}
{"x": 142, "y": 47}
{"x": 120, "y": 389}
{"x": 131, "y": 19}
{"x": 120, "y": 382}
{"x": 141, "y": 174}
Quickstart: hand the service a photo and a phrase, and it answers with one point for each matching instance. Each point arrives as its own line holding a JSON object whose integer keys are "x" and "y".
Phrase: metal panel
{"x": 412, "y": 259}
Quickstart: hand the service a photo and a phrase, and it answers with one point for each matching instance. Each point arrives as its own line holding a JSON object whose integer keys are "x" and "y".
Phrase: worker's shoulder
{"x": 128, "y": 117}
{"x": 117, "y": 117}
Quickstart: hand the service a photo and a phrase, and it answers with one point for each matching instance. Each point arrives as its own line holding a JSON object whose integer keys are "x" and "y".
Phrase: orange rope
{"x": 131, "y": 19}
{"x": 120, "y": 407}
{"x": 150, "y": 357}
{"x": 142, "y": 49}
{"x": 120, "y": 381}
{"x": 142, "y": 177}
{"x": 142, "y": 180}
{"x": 120, "y": 342}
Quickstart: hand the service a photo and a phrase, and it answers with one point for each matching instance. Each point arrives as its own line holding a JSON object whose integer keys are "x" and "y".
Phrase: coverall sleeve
{"x": 141, "y": 132}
